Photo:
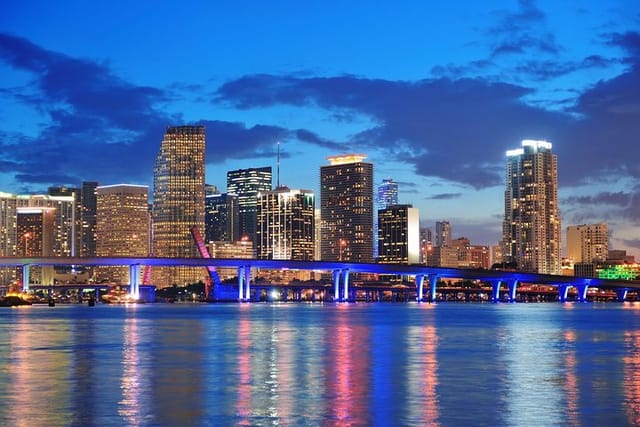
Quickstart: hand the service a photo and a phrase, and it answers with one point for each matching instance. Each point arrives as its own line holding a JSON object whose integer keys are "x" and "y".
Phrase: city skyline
{"x": 433, "y": 96}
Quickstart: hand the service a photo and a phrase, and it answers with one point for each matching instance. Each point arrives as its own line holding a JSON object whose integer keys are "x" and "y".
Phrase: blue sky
{"x": 434, "y": 94}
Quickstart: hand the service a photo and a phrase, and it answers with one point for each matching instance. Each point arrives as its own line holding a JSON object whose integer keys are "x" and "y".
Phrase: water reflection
{"x": 571, "y": 378}
{"x": 631, "y": 378}
{"x": 134, "y": 406}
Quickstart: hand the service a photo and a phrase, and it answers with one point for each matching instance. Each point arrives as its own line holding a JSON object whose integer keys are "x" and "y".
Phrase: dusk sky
{"x": 434, "y": 93}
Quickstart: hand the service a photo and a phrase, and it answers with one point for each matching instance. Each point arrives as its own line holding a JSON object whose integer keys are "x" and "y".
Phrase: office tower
{"x": 221, "y": 218}
{"x": 241, "y": 249}
{"x": 246, "y": 184}
{"x": 178, "y": 202}
{"x": 346, "y": 209}
{"x": 471, "y": 256}
{"x": 122, "y": 227}
{"x": 88, "y": 207}
{"x": 74, "y": 217}
{"x": 426, "y": 244}
{"x": 285, "y": 224}
{"x": 587, "y": 243}
{"x": 531, "y": 228}
{"x": 443, "y": 233}
{"x": 399, "y": 235}
{"x": 35, "y": 229}
{"x": 386, "y": 195}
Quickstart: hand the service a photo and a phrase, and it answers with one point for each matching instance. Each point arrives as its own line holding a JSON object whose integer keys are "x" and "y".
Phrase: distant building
{"x": 531, "y": 227}
{"x": 246, "y": 184}
{"x": 285, "y": 224}
{"x": 221, "y": 217}
{"x": 588, "y": 243}
{"x": 399, "y": 235}
{"x": 346, "y": 209}
{"x": 496, "y": 254}
{"x": 386, "y": 195}
{"x": 88, "y": 212}
{"x": 178, "y": 202}
{"x": 36, "y": 232}
{"x": 443, "y": 256}
{"x": 443, "y": 233}
{"x": 242, "y": 249}
{"x": 122, "y": 227}
{"x": 426, "y": 244}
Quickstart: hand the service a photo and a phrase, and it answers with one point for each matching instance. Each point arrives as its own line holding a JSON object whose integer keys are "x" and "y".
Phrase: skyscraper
{"x": 178, "y": 202}
{"x": 346, "y": 209}
{"x": 399, "y": 235}
{"x": 386, "y": 195}
{"x": 88, "y": 207}
{"x": 285, "y": 224}
{"x": 221, "y": 218}
{"x": 36, "y": 232}
{"x": 443, "y": 234}
{"x": 246, "y": 184}
{"x": 587, "y": 243}
{"x": 531, "y": 228}
{"x": 122, "y": 226}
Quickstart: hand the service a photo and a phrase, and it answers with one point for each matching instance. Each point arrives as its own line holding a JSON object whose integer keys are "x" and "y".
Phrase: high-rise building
{"x": 531, "y": 228}
{"x": 346, "y": 209}
{"x": 178, "y": 202}
{"x": 588, "y": 243}
{"x": 386, "y": 195}
{"x": 443, "y": 233}
{"x": 73, "y": 218}
{"x": 246, "y": 184}
{"x": 122, "y": 226}
{"x": 399, "y": 235}
{"x": 35, "y": 237}
{"x": 221, "y": 218}
{"x": 285, "y": 224}
{"x": 88, "y": 208}
{"x": 426, "y": 244}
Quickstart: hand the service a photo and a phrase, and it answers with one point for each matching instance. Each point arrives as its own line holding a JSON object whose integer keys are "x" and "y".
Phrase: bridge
{"x": 426, "y": 277}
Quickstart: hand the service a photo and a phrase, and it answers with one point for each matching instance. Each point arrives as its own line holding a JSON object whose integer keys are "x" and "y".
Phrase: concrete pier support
{"x": 621, "y": 294}
{"x": 247, "y": 283}
{"x": 134, "y": 281}
{"x": 241, "y": 283}
{"x": 433, "y": 282}
{"x": 336, "y": 285}
{"x": 345, "y": 284}
{"x": 512, "y": 285}
{"x": 495, "y": 290}
{"x": 582, "y": 292}
{"x": 25, "y": 278}
{"x": 563, "y": 291}
{"x": 419, "y": 287}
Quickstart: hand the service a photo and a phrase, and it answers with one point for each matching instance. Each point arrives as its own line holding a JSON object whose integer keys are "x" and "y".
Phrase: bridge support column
{"x": 512, "y": 284}
{"x": 240, "y": 283}
{"x": 495, "y": 290}
{"x": 247, "y": 282}
{"x": 134, "y": 283}
{"x": 433, "y": 282}
{"x": 345, "y": 284}
{"x": 582, "y": 292}
{"x": 25, "y": 278}
{"x": 563, "y": 291}
{"x": 621, "y": 294}
{"x": 419, "y": 287}
{"x": 336, "y": 285}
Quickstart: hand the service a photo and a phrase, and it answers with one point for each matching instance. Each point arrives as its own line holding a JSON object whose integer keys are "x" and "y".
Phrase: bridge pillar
{"x": 336, "y": 285}
{"x": 25, "y": 278}
{"x": 240, "y": 283}
{"x": 621, "y": 294}
{"x": 247, "y": 282}
{"x": 433, "y": 282}
{"x": 134, "y": 284}
{"x": 419, "y": 286}
{"x": 563, "y": 291}
{"x": 582, "y": 292}
{"x": 512, "y": 285}
{"x": 495, "y": 290}
{"x": 345, "y": 284}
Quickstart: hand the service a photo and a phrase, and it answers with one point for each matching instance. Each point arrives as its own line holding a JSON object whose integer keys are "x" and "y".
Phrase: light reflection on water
{"x": 325, "y": 365}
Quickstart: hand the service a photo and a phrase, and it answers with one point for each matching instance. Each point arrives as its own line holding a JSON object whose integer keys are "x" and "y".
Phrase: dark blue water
{"x": 321, "y": 365}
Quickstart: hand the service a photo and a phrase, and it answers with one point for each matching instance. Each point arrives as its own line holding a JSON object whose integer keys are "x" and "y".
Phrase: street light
{"x": 26, "y": 236}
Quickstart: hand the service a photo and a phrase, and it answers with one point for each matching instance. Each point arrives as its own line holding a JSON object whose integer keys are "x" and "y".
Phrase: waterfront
{"x": 320, "y": 364}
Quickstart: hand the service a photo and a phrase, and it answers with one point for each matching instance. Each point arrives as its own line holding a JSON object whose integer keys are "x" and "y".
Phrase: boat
{"x": 13, "y": 301}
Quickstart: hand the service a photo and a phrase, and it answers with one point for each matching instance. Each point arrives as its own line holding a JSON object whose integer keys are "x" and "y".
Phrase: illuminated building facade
{"x": 443, "y": 233}
{"x": 122, "y": 227}
{"x": 386, "y": 195}
{"x": 246, "y": 184}
{"x": 399, "y": 235}
{"x": 531, "y": 227}
{"x": 178, "y": 202}
{"x": 588, "y": 243}
{"x": 35, "y": 237}
{"x": 241, "y": 249}
{"x": 285, "y": 225}
{"x": 221, "y": 217}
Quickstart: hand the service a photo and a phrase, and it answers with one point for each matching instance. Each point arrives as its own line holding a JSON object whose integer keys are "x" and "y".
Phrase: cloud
{"x": 444, "y": 196}
{"x": 620, "y": 199}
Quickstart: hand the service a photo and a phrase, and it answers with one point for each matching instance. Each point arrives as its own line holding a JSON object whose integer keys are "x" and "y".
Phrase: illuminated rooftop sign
{"x": 344, "y": 159}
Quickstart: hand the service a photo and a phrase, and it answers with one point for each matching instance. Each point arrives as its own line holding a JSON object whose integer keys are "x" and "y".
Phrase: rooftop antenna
{"x": 278, "y": 167}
